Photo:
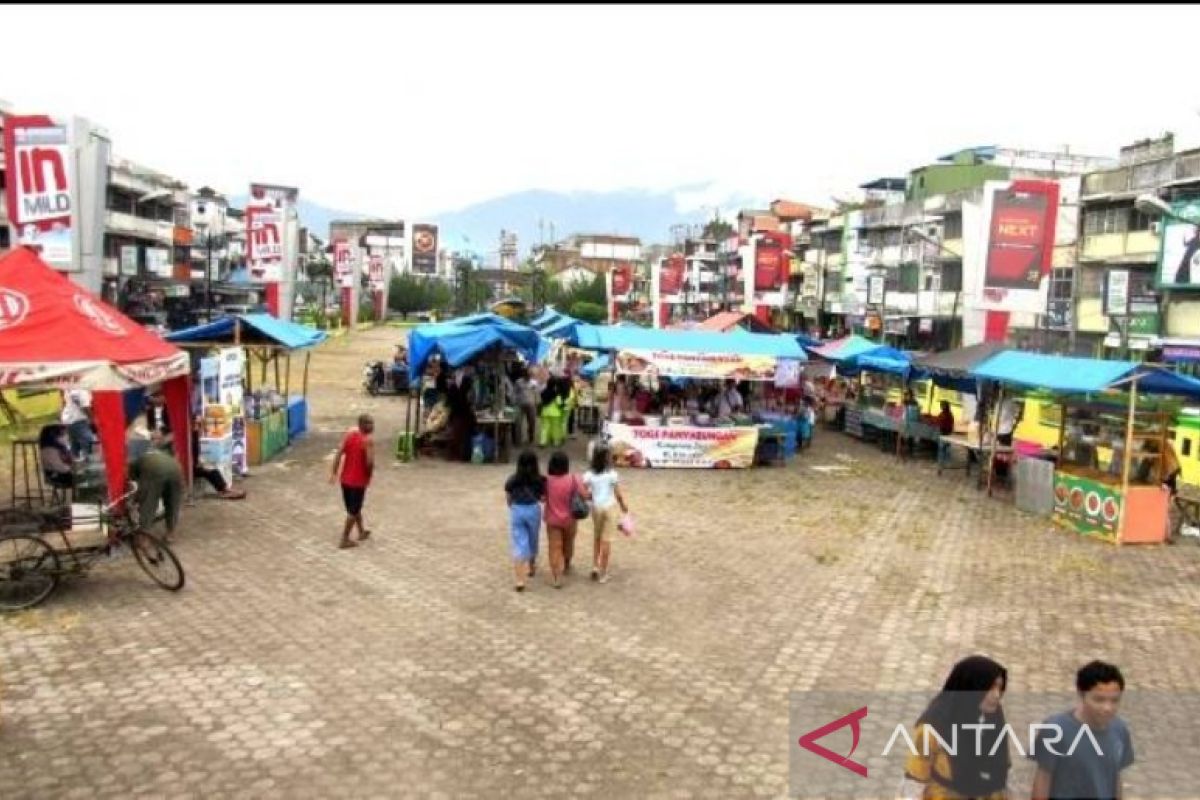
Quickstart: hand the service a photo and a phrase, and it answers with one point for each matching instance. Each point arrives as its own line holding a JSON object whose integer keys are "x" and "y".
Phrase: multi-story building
{"x": 584, "y": 256}
{"x": 910, "y": 232}
{"x": 1117, "y": 236}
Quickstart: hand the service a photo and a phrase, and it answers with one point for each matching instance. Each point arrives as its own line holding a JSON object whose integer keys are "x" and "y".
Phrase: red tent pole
{"x": 177, "y": 397}
{"x": 109, "y": 412}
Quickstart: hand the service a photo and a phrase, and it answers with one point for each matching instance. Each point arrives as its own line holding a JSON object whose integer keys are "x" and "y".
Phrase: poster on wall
{"x": 41, "y": 170}
{"x": 264, "y": 243}
{"x": 768, "y": 266}
{"x": 876, "y": 286}
{"x": 1008, "y": 271}
{"x": 424, "y": 249}
{"x": 694, "y": 448}
{"x": 343, "y": 263}
{"x": 375, "y": 268}
{"x": 673, "y": 270}
{"x": 1116, "y": 293}
{"x": 129, "y": 260}
{"x": 158, "y": 262}
{"x": 1179, "y": 248}
{"x": 1016, "y": 240}
{"x": 231, "y": 368}
{"x": 622, "y": 281}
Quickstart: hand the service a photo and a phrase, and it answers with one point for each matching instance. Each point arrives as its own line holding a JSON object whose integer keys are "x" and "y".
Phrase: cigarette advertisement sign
{"x": 39, "y": 186}
{"x": 376, "y": 273}
{"x": 264, "y": 239}
{"x": 622, "y": 281}
{"x": 672, "y": 273}
{"x": 694, "y": 448}
{"x": 1021, "y": 235}
{"x": 731, "y": 366}
{"x": 343, "y": 263}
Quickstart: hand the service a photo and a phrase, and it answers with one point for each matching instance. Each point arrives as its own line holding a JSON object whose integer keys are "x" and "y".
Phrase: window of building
{"x": 910, "y": 277}
{"x": 953, "y": 226}
{"x": 1091, "y": 282}
{"x": 4, "y": 241}
{"x": 1106, "y": 219}
{"x": 952, "y": 276}
{"x": 891, "y": 281}
{"x": 1187, "y": 448}
{"x": 1139, "y": 221}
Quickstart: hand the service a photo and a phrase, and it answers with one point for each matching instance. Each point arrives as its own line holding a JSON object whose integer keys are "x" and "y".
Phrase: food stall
{"x": 487, "y": 342}
{"x": 677, "y": 437}
{"x": 1125, "y": 503}
{"x": 57, "y": 335}
{"x": 264, "y": 415}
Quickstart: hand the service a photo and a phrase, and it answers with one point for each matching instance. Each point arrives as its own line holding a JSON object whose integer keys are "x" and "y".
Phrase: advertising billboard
{"x": 40, "y": 170}
{"x": 424, "y": 249}
{"x": 343, "y": 263}
{"x": 1020, "y": 237}
{"x": 672, "y": 272}
{"x": 1179, "y": 248}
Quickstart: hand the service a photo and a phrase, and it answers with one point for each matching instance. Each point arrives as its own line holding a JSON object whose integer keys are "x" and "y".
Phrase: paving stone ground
{"x": 409, "y": 667}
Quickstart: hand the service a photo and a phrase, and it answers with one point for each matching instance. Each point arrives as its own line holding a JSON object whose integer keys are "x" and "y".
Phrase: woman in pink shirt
{"x": 560, "y": 523}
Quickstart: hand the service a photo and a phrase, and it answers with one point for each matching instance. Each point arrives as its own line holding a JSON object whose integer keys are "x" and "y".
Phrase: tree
{"x": 718, "y": 229}
{"x": 588, "y": 312}
{"x": 408, "y": 293}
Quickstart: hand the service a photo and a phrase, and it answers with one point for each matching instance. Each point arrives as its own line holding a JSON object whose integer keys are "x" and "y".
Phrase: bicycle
{"x": 31, "y": 568}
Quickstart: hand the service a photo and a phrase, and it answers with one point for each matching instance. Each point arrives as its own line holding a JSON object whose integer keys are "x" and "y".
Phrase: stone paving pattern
{"x": 409, "y": 667}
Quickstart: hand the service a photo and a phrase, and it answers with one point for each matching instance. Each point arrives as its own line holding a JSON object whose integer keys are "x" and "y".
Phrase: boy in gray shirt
{"x": 1098, "y": 755}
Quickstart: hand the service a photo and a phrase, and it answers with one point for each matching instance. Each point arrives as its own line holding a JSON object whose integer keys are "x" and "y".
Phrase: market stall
{"x": 55, "y": 334}
{"x": 1102, "y": 402}
{"x": 487, "y": 345}
{"x": 950, "y": 373}
{"x": 673, "y": 429}
{"x": 263, "y": 413}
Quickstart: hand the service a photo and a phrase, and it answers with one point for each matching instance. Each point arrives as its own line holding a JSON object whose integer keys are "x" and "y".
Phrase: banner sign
{"x": 158, "y": 262}
{"x": 1021, "y": 235}
{"x": 722, "y": 366}
{"x": 622, "y": 281}
{"x": 1089, "y": 507}
{"x": 768, "y": 266}
{"x": 424, "y": 249}
{"x": 264, "y": 243}
{"x": 672, "y": 273}
{"x": 274, "y": 196}
{"x": 230, "y": 370}
{"x": 694, "y": 448}
{"x": 1179, "y": 250}
{"x": 375, "y": 267}
{"x": 343, "y": 264}
{"x": 129, "y": 259}
{"x": 876, "y": 284}
{"x": 39, "y": 186}
{"x": 1116, "y": 293}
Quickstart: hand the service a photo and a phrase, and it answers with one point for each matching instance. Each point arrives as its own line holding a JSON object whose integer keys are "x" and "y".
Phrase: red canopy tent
{"x": 54, "y": 333}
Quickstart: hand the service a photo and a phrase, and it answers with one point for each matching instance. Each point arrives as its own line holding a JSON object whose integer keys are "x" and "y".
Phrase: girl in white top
{"x": 604, "y": 491}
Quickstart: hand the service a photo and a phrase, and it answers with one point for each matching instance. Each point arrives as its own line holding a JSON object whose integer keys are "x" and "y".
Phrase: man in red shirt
{"x": 356, "y": 461}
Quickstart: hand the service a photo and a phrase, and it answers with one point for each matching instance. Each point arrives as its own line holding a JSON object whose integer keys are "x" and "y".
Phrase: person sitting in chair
{"x": 55, "y": 452}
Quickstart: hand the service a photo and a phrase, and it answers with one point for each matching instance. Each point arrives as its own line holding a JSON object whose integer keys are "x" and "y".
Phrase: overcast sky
{"x": 409, "y": 111}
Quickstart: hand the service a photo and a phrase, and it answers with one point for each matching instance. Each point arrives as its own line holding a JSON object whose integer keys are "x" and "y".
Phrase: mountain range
{"x": 538, "y": 216}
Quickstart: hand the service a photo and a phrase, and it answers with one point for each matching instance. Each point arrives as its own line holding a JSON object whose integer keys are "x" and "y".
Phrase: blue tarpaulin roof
{"x": 562, "y": 328}
{"x": 458, "y": 344}
{"x": 597, "y": 365}
{"x": 255, "y": 328}
{"x": 545, "y": 318}
{"x": 612, "y": 337}
{"x": 1065, "y": 375}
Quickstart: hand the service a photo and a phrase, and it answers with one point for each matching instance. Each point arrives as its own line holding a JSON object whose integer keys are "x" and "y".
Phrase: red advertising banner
{"x": 671, "y": 276}
{"x": 38, "y": 191}
{"x": 622, "y": 280}
{"x": 424, "y": 249}
{"x": 343, "y": 266}
{"x": 375, "y": 266}
{"x": 769, "y": 266}
{"x": 1021, "y": 235}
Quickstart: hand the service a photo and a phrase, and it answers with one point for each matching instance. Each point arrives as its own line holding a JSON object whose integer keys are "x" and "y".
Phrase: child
{"x": 525, "y": 489}
{"x": 560, "y": 523}
{"x": 603, "y": 486}
{"x": 808, "y": 421}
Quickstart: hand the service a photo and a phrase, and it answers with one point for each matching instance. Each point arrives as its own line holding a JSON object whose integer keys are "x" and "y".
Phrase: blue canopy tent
{"x": 265, "y": 337}
{"x": 1140, "y": 516}
{"x": 548, "y": 316}
{"x": 250, "y": 329}
{"x": 614, "y": 337}
{"x": 1065, "y": 375}
{"x": 458, "y": 343}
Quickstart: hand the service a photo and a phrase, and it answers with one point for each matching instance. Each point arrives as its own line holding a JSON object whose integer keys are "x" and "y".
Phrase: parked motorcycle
{"x": 378, "y": 378}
